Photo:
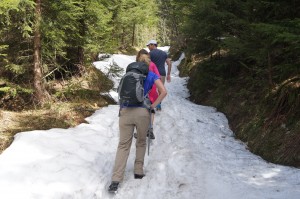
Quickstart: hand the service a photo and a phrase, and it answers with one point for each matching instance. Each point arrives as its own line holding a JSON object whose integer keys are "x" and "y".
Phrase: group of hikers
{"x": 140, "y": 116}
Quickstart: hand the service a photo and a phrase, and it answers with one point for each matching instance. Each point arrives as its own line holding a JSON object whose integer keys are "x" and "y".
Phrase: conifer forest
{"x": 241, "y": 56}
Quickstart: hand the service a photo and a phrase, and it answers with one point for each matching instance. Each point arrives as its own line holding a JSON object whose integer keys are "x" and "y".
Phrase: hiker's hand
{"x": 168, "y": 78}
{"x": 152, "y": 110}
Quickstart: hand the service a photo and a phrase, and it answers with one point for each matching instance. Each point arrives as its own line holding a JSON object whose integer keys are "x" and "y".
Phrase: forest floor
{"x": 59, "y": 115}
{"x": 66, "y": 111}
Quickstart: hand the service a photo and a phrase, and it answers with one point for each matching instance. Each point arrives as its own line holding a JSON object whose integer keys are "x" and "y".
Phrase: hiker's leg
{"x": 126, "y": 126}
{"x": 152, "y": 119}
{"x": 163, "y": 79}
{"x": 142, "y": 123}
{"x": 151, "y": 132}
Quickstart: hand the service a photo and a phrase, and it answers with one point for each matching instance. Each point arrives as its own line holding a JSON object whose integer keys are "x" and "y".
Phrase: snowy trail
{"x": 194, "y": 155}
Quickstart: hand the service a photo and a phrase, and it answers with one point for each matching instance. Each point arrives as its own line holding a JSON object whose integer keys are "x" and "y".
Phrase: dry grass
{"x": 58, "y": 115}
{"x": 71, "y": 103}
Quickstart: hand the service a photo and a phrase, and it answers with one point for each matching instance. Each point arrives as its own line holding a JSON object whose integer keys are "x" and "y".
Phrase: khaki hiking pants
{"x": 129, "y": 119}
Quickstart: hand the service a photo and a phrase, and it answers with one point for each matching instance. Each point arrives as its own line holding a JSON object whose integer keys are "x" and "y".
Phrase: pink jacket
{"x": 153, "y": 94}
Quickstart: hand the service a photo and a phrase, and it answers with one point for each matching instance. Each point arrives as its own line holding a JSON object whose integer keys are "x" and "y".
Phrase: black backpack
{"x": 131, "y": 87}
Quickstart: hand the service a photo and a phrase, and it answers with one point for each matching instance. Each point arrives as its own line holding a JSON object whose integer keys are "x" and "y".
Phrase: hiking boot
{"x": 138, "y": 176}
{"x": 150, "y": 133}
{"x": 113, "y": 187}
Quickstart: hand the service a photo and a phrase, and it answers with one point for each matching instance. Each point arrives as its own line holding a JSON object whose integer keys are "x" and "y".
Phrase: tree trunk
{"x": 40, "y": 92}
{"x": 81, "y": 60}
{"x": 123, "y": 38}
{"x": 270, "y": 69}
{"x": 133, "y": 35}
{"x": 80, "y": 48}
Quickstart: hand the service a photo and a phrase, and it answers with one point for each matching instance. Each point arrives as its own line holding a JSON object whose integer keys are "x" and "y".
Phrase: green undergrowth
{"x": 265, "y": 118}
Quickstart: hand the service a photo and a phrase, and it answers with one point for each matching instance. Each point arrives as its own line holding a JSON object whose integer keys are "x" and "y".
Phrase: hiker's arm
{"x": 162, "y": 93}
{"x": 168, "y": 61}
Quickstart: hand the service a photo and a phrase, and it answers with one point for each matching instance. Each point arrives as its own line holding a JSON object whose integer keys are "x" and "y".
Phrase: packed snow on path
{"x": 194, "y": 155}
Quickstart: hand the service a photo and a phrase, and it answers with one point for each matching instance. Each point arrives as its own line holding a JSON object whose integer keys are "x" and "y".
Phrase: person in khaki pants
{"x": 129, "y": 119}
{"x": 135, "y": 117}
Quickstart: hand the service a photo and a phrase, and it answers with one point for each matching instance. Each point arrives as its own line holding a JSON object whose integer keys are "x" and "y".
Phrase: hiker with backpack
{"x": 134, "y": 113}
{"x": 143, "y": 56}
{"x": 159, "y": 58}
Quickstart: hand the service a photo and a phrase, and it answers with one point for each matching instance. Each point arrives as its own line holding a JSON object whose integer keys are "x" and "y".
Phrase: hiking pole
{"x": 150, "y": 129}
